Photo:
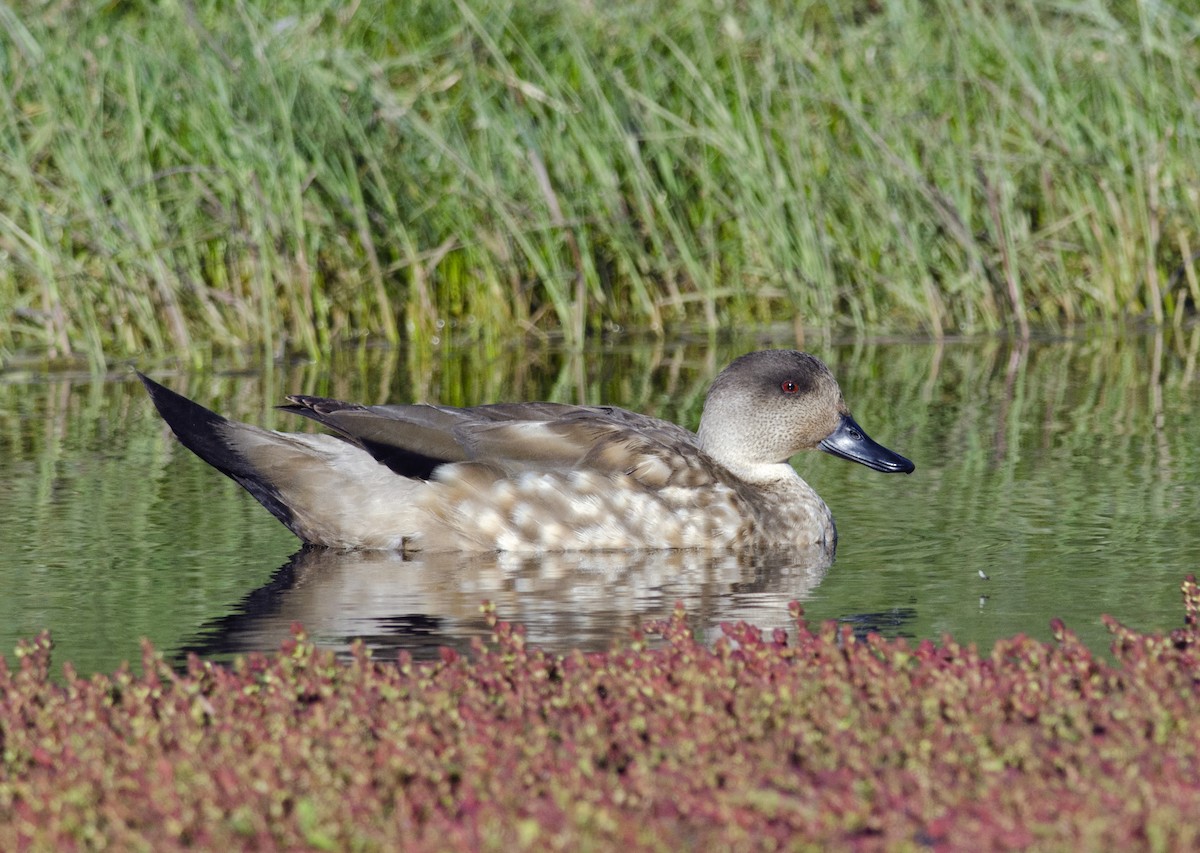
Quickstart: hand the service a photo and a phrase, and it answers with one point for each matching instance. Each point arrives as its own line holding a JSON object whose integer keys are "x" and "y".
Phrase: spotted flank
{"x": 589, "y": 510}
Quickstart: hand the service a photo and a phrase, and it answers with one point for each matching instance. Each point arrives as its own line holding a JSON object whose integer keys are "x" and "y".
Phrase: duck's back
{"x": 416, "y": 440}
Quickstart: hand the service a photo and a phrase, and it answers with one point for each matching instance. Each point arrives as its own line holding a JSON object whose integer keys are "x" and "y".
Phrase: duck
{"x": 542, "y": 476}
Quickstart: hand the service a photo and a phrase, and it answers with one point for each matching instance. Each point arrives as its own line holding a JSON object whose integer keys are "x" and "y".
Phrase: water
{"x": 1067, "y": 471}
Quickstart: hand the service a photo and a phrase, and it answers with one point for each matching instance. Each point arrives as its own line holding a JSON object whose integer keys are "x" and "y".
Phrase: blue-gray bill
{"x": 850, "y": 442}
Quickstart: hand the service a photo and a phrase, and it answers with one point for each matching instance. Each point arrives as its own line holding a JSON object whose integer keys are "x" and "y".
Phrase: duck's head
{"x": 767, "y": 406}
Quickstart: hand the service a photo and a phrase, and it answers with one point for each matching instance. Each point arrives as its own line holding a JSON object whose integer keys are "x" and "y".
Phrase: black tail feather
{"x": 204, "y": 433}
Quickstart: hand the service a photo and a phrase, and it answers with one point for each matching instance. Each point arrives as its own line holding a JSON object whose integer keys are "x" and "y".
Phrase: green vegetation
{"x": 814, "y": 741}
{"x": 184, "y": 176}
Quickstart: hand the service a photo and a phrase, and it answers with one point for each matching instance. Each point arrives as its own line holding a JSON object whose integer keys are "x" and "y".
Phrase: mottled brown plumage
{"x": 547, "y": 476}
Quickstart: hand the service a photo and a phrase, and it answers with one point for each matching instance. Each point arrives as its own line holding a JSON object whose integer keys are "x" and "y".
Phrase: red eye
{"x": 788, "y": 386}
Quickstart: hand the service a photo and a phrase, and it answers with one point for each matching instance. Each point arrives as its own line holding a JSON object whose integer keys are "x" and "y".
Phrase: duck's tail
{"x": 219, "y": 442}
{"x": 325, "y": 490}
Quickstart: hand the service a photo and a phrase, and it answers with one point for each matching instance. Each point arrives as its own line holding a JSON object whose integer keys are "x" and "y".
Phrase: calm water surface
{"x": 1067, "y": 471}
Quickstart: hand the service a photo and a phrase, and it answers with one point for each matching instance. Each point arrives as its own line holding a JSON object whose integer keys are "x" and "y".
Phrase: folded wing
{"x": 415, "y": 440}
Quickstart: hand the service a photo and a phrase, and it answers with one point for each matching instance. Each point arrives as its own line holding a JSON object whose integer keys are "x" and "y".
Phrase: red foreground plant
{"x": 754, "y": 742}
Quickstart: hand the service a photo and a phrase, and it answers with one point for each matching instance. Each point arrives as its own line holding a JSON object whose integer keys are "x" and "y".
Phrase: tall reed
{"x": 195, "y": 176}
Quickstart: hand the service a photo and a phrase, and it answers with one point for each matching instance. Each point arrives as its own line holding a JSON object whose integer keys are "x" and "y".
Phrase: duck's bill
{"x": 850, "y": 442}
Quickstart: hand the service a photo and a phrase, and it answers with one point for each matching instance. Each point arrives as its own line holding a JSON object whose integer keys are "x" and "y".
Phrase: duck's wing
{"x": 415, "y": 440}
{"x": 600, "y": 439}
{"x": 411, "y": 440}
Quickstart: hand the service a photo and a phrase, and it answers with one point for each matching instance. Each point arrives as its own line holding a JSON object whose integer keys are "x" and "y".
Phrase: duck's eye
{"x": 788, "y": 387}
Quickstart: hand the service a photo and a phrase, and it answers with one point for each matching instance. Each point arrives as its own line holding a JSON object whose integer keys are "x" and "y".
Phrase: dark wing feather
{"x": 411, "y": 440}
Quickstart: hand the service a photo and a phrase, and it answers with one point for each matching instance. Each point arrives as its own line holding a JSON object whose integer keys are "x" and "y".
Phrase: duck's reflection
{"x": 584, "y": 600}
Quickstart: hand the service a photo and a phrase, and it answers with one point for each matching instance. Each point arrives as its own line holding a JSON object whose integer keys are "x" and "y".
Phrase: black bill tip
{"x": 850, "y": 442}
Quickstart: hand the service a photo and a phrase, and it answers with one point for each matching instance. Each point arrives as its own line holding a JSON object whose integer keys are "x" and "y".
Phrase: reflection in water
{"x": 568, "y": 600}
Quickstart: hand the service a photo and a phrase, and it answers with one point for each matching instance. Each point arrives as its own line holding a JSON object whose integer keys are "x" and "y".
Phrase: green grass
{"x": 191, "y": 177}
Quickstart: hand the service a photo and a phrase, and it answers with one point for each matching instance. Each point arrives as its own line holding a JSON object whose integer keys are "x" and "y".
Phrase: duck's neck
{"x": 766, "y": 474}
{"x": 730, "y": 451}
